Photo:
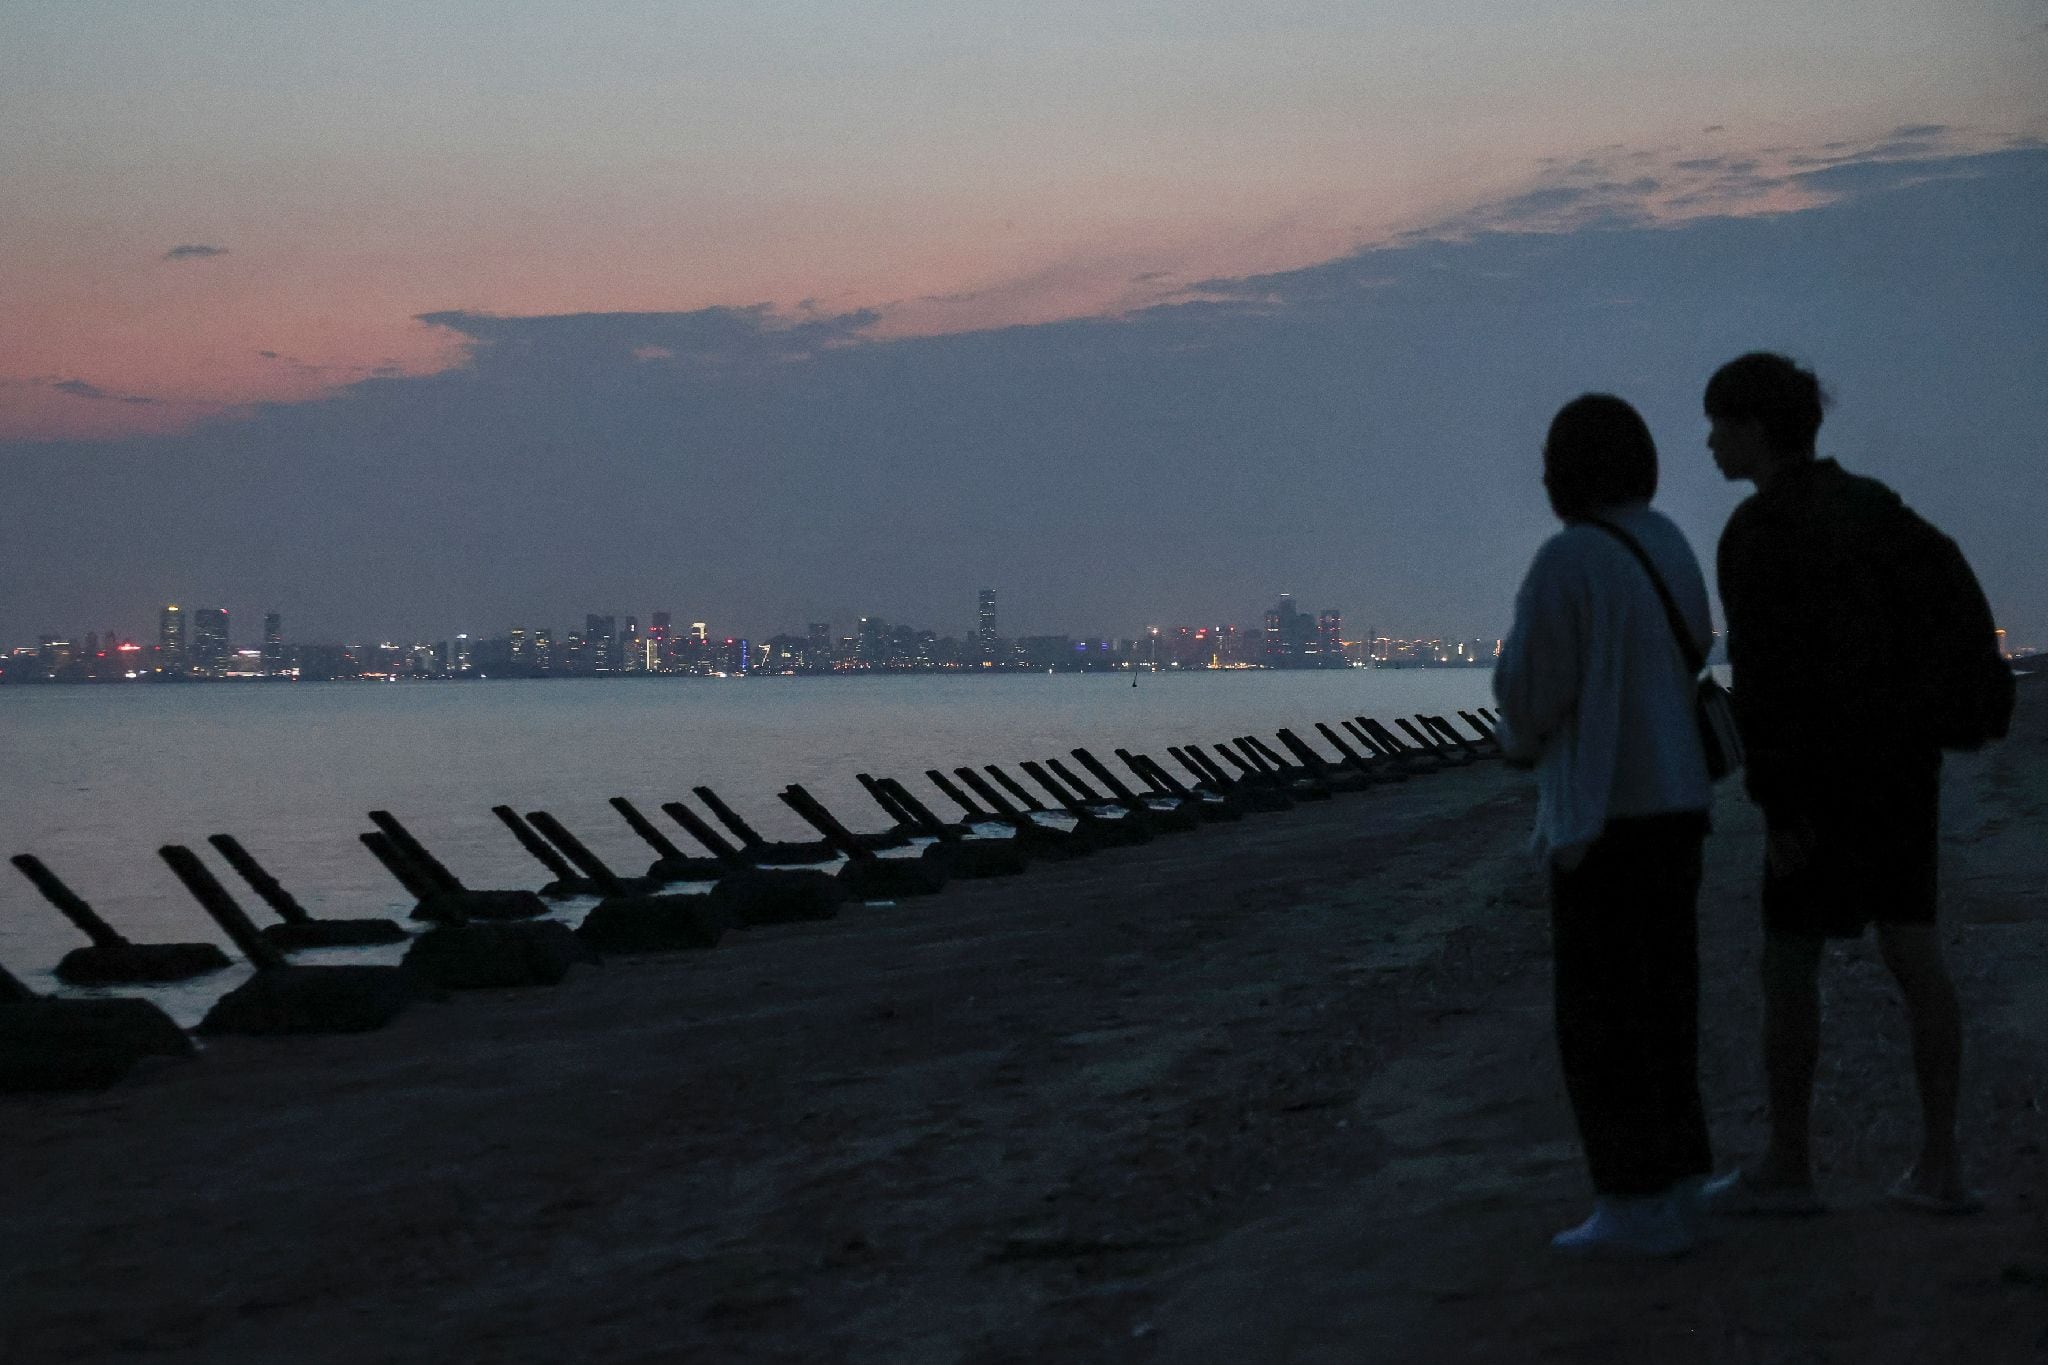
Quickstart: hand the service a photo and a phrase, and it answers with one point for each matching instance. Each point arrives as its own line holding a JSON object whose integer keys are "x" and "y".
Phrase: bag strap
{"x": 1693, "y": 658}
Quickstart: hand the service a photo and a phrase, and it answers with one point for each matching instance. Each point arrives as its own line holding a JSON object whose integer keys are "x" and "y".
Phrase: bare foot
{"x": 1932, "y": 1188}
{"x": 1759, "y": 1190}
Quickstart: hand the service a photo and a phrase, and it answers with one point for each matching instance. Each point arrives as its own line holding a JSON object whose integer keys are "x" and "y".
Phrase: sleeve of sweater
{"x": 1536, "y": 680}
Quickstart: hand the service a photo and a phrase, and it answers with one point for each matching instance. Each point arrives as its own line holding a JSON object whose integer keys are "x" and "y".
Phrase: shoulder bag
{"x": 1712, "y": 707}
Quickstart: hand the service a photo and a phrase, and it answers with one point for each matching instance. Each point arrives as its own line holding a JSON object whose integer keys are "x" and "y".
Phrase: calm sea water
{"x": 94, "y": 779}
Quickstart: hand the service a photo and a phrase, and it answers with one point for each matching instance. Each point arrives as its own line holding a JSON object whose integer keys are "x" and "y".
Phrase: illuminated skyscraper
{"x": 273, "y": 643}
{"x": 1294, "y": 639}
{"x": 696, "y": 646}
{"x": 210, "y": 641}
{"x": 660, "y": 650}
{"x": 985, "y": 623}
{"x": 600, "y": 650}
{"x": 1282, "y": 628}
{"x": 170, "y": 639}
{"x": 1330, "y": 639}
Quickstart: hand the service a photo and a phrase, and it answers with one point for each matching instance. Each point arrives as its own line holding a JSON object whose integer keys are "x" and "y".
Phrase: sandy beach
{"x": 1280, "y": 1090}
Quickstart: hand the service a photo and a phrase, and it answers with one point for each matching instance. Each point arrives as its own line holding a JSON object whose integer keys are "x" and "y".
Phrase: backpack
{"x": 1963, "y": 686}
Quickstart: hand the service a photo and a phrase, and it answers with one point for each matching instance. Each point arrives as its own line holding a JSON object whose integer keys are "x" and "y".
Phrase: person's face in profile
{"x": 1739, "y": 449}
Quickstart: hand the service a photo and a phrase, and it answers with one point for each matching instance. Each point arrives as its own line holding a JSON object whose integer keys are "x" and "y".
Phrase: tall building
{"x": 1283, "y": 629}
{"x": 985, "y": 623}
{"x": 543, "y": 650}
{"x": 631, "y": 657}
{"x": 273, "y": 643}
{"x": 170, "y": 638}
{"x": 1194, "y": 647}
{"x": 209, "y": 646}
{"x": 660, "y": 649}
{"x": 600, "y": 650}
{"x": 1295, "y": 639}
{"x": 1330, "y": 639}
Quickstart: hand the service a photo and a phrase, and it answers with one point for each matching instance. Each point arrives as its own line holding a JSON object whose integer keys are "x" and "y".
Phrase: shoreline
{"x": 1276, "y": 1090}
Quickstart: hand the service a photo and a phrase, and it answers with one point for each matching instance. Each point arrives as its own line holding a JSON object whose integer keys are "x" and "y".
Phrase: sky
{"x": 404, "y": 320}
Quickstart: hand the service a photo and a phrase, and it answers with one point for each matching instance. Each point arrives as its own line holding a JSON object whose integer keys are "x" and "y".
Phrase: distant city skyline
{"x": 151, "y": 626}
{"x": 197, "y": 643}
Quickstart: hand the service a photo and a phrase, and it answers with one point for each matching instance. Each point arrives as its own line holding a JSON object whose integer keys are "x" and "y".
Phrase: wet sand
{"x": 1274, "y": 1091}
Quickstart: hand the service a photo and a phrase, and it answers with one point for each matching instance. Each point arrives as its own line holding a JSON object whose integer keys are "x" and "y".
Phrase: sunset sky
{"x": 451, "y": 316}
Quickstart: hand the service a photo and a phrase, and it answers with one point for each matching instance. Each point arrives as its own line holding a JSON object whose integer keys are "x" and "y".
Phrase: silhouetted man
{"x": 1821, "y": 576}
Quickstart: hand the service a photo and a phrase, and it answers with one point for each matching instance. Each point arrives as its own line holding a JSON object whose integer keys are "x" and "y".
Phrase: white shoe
{"x": 1632, "y": 1228}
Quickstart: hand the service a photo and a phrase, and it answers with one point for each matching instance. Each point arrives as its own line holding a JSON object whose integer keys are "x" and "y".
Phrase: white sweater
{"x": 1592, "y": 686}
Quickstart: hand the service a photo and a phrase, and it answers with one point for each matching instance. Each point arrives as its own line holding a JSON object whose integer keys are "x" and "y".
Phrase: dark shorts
{"x": 1877, "y": 837}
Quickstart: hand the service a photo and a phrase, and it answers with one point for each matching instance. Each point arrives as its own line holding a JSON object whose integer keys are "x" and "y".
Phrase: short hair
{"x": 1598, "y": 453}
{"x": 1773, "y": 390}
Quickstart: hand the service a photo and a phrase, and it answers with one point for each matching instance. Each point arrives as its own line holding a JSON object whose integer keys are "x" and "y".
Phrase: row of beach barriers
{"x": 484, "y": 938}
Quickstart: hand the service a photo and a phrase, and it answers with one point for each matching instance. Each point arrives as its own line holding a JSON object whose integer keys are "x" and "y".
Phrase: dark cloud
{"x": 1914, "y": 141}
{"x": 80, "y": 388}
{"x": 1734, "y": 165}
{"x": 1363, "y": 432}
{"x": 194, "y": 252}
{"x": 1861, "y": 177}
{"x": 1599, "y": 201}
{"x": 709, "y": 339}
{"x": 1901, "y": 149}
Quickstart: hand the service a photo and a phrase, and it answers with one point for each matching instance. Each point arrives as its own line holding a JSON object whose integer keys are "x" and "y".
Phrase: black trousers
{"x": 1625, "y": 930}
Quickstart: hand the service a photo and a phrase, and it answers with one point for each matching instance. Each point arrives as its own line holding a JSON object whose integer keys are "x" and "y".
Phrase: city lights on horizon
{"x": 194, "y": 645}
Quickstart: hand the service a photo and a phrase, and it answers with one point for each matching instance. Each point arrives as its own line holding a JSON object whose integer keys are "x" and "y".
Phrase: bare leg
{"x": 1791, "y": 985}
{"x": 1913, "y": 953}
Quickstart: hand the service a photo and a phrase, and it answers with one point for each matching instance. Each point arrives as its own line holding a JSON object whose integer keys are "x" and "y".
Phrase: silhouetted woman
{"x": 1597, "y": 694}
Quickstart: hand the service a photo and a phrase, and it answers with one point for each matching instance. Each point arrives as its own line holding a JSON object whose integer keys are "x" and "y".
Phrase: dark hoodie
{"x": 1836, "y": 593}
